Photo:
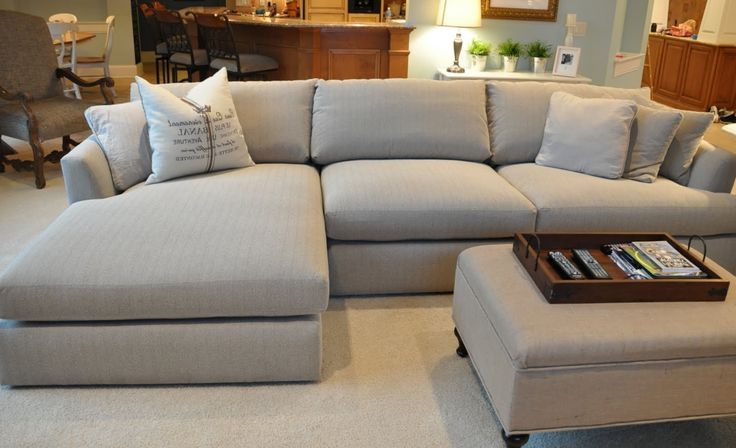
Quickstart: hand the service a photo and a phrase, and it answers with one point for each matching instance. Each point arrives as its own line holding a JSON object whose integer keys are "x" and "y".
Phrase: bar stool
{"x": 182, "y": 55}
{"x": 217, "y": 34}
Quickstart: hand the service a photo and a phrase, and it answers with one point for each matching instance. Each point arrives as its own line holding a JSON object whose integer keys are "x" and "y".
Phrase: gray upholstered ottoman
{"x": 559, "y": 367}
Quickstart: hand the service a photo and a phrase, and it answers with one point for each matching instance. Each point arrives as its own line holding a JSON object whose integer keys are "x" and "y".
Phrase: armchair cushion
{"x": 56, "y": 116}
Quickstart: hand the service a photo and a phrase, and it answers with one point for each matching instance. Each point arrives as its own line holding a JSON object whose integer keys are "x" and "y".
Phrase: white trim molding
{"x": 116, "y": 71}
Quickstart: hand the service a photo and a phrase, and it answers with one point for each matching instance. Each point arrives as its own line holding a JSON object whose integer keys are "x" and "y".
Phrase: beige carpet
{"x": 391, "y": 379}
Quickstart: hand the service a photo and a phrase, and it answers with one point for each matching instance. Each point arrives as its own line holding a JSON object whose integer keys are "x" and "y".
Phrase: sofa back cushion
{"x": 517, "y": 113}
{"x": 276, "y": 117}
{"x": 399, "y": 119}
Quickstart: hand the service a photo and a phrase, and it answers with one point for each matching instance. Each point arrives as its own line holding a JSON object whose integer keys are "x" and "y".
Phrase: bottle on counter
{"x": 388, "y": 14}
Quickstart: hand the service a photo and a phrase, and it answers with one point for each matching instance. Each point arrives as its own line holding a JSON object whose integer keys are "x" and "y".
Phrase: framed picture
{"x": 544, "y": 10}
{"x": 567, "y": 61}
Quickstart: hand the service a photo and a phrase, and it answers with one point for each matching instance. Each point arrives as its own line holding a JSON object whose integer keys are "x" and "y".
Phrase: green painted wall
{"x": 431, "y": 46}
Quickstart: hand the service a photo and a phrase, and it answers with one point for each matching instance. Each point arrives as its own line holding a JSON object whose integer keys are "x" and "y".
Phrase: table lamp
{"x": 459, "y": 14}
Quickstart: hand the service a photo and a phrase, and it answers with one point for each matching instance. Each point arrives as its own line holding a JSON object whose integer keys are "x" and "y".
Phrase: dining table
{"x": 82, "y": 36}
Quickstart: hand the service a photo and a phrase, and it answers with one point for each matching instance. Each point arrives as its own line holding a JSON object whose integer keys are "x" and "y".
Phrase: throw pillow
{"x": 652, "y": 133}
{"x": 197, "y": 133}
{"x": 587, "y": 135}
{"x": 517, "y": 113}
{"x": 680, "y": 155}
{"x": 121, "y": 132}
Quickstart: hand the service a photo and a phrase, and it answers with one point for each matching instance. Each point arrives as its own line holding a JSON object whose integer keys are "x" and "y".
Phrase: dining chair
{"x": 183, "y": 55}
{"x": 217, "y": 34}
{"x": 161, "y": 51}
{"x": 66, "y": 51}
{"x": 63, "y": 17}
{"x": 102, "y": 61}
{"x": 34, "y": 107}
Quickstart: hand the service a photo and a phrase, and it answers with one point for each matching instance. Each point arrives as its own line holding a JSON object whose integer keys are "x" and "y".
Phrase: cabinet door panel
{"x": 724, "y": 85}
{"x": 697, "y": 77}
{"x": 674, "y": 54}
{"x": 333, "y": 4}
{"x": 654, "y": 59}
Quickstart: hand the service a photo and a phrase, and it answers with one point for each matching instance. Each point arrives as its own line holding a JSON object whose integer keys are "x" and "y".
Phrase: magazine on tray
{"x": 661, "y": 259}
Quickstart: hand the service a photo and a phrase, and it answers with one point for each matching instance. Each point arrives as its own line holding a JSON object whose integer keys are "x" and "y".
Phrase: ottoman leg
{"x": 516, "y": 440}
{"x": 461, "y": 350}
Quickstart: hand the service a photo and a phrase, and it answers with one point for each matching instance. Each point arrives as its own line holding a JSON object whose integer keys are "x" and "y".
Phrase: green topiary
{"x": 510, "y": 48}
{"x": 479, "y": 47}
{"x": 538, "y": 49}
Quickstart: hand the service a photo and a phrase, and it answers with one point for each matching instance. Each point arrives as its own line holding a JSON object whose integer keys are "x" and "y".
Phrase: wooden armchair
{"x": 32, "y": 104}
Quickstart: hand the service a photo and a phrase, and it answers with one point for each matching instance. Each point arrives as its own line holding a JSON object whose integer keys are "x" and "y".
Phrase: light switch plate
{"x": 581, "y": 29}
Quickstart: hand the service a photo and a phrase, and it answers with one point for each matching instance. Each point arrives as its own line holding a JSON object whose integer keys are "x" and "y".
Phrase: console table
{"x": 500, "y": 75}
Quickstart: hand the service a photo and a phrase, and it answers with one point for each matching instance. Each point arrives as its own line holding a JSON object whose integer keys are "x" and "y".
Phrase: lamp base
{"x": 457, "y": 46}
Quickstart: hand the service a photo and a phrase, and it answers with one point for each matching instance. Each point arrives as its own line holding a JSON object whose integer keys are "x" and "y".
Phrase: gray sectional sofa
{"x": 360, "y": 187}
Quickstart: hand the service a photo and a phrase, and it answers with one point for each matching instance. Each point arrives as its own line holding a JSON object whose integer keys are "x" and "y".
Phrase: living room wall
{"x": 123, "y": 56}
{"x": 431, "y": 46}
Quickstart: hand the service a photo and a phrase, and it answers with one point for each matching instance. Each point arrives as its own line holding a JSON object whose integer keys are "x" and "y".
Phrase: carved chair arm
{"x": 73, "y": 77}
{"x": 104, "y": 83}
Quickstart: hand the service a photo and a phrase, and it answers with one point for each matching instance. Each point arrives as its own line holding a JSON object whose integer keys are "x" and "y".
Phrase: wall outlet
{"x": 581, "y": 29}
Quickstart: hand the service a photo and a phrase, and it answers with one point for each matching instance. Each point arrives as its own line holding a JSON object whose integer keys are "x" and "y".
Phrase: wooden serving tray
{"x": 557, "y": 289}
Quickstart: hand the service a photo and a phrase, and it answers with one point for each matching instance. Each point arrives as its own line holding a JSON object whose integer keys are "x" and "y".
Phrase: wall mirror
{"x": 544, "y": 10}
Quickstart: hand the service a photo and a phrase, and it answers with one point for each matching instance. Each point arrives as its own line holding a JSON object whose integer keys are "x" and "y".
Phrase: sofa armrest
{"x": 713, "y": 169}
{"x": 86, "y": 173}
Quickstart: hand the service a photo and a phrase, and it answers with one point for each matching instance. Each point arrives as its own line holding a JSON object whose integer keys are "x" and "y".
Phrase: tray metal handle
{"x": 538, "y": 247}
{"x": 702, "y": 240}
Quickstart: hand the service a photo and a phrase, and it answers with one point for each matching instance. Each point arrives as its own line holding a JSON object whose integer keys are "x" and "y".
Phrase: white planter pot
{"x": 509, "y": 63}
{"x": 540, "y": 65}
{"x": 478, "y": 63}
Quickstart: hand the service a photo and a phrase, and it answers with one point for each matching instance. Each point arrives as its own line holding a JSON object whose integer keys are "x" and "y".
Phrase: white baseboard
{"x": 116, "y": 71}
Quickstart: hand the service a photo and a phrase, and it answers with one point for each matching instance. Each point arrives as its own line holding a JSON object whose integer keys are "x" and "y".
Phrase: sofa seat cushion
{"x": 240, "y": 243}
{"x": 395, "y": 200}
{"x": 576, "y": 202}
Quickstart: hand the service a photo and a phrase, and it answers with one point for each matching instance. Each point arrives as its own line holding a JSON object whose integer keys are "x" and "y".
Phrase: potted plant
{"x": 511, "y": 51}
{"x": 479, "y": 51}
{"x": 540, "y": 51}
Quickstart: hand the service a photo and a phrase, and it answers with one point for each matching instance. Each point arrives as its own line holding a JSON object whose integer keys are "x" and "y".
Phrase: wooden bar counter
{"x": 308, "y": 49}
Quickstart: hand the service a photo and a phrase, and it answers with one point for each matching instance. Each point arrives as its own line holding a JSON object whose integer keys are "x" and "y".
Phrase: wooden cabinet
{"x": 690, "y": 75}
{"x": 370, "y": 18}
{"x": 327, "y": 10}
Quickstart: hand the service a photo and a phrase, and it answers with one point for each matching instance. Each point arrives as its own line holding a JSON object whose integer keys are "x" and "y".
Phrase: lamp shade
{"x": 459, "y": 13}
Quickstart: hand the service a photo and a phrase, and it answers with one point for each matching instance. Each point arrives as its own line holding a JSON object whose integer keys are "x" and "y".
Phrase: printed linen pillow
{"x": 121, "y": 132}
{"x": 587, "y": 135}
{"x": 652, "y": 133}
{"x": 198, "y": 133}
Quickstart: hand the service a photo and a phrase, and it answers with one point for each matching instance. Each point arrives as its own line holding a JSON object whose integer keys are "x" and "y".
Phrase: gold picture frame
{"x": 507, "y": 9}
